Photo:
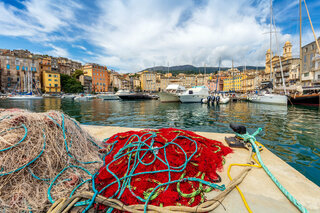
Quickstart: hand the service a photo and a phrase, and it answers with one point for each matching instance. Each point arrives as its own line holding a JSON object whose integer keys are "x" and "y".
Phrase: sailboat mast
{"x": 314, "y": 34}
{"x": 300, "y": 70}
{"x": 270, "y": 40}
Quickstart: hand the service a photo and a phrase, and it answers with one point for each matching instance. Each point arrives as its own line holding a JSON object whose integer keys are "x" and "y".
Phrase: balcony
{"x": 316, "y": 80}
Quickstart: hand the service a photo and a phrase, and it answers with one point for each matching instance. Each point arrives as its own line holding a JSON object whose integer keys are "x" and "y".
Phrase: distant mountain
{"x": 189, "y": 69}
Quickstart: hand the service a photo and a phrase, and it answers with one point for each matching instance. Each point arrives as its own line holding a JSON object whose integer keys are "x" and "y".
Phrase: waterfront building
{"x": 100, "y": 76}
{"x": 190, "y": 81}
{"x": 309, "y": 71}
{"x": 50, "y": 80}
{"x": 18, "y": 74}
{"x": 316, "y": 71}
{"x": 136, "y": 84}
{"x": 202, "y": 79}
{"x": 86, "y": 82}
{"x": 115, "y": 81}
{"x": 234, "y": 81}
{"x": 165, "y": 81}
{"x": 148, "y": 81}
{"x": 289, "y": 65}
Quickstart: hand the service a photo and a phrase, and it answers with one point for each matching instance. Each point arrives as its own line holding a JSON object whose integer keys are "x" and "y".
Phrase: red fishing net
{"x": 156, "y": 165}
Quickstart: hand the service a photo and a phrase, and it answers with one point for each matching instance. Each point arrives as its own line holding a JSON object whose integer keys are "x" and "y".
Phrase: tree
{"x": 70, "y": 84}
{"x": 77, "y": 73}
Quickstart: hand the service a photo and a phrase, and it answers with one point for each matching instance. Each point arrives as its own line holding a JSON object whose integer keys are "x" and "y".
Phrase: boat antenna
{"x": 232, "y": 77}
{"x": 277, "y": 44}
{"x": 270, "y": 40}
{"x": 300, "y": 70}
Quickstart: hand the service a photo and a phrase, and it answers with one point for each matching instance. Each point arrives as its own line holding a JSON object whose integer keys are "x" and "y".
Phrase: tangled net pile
{"x": 164, "y": 167}
{"x": 43, "y": 157}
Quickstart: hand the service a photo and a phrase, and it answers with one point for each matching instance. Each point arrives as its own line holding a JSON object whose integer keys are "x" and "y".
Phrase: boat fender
{"x": 218, "y": 99}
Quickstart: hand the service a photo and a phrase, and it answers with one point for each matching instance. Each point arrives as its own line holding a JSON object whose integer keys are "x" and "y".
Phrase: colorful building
{"x": 234, "y": 81}
{"x": 148, "y": 81}
{"x": 100, "y": 77}
{"x": 18, "y": 74}
{"x": 51, "y": 81}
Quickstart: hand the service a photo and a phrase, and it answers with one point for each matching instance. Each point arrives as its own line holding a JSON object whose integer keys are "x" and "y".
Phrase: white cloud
{"x": 58, "y": 51}
{"x": 137, "y": 34}
{"x": 40, "y": 20}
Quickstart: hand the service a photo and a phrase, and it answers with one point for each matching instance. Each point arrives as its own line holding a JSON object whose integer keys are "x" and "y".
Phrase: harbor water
{"x": 292, "y": 133}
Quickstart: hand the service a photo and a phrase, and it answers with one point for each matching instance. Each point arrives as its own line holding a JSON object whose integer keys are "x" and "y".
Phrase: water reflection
{"x": 290, "y": 132}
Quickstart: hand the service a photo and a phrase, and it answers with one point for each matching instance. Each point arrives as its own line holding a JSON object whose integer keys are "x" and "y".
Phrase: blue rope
{"x": 58, "y": 175}
{"x": 22, "y": 139}
{"x": 252, "y": 140}
{"x": 30, "y": 162}
{"x": 53, "y": 182}
{"x": 135, "y": 146}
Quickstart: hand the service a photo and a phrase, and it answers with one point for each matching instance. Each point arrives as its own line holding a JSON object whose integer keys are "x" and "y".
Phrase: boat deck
{"x": 261, "y": 193}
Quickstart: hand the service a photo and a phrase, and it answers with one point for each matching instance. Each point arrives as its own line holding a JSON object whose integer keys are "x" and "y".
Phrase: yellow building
{"x": 234, "y": 81}
{"x": 51, "y": 82}
{"x": 148, "y": 81}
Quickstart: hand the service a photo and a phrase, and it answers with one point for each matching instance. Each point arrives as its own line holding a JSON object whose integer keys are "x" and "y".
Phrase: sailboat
{"x": 266, "y": 95}
{"x": 301, "y": 98}
{"x": 29, "y": 85}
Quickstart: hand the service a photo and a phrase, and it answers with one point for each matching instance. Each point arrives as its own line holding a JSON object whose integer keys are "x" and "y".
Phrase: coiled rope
{"x": 251, "y": 138}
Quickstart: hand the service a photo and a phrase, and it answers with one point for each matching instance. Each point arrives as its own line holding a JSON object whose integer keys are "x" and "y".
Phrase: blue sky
{"x": 130, "y": 35}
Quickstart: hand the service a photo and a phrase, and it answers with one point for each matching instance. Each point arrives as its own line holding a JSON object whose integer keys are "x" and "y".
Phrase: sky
{"x": 131, "y": 35}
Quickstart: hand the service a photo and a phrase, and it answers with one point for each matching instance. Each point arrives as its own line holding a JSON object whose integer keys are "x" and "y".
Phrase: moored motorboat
{"x": 172, "y": 93}
{"x": 194, "y": 94}
{"x": 24, "y": 97}
{"x": 108, "y": 96}
{"x": 135, "y": 96}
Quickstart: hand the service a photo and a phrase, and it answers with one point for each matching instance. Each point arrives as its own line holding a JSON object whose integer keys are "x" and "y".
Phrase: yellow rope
{"x": 245, "y": 164}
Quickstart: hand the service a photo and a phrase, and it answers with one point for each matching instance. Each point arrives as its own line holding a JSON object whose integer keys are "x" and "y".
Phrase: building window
{"x": 55, "y": 79}
{"x": 49, "y": 75}
{"x": 306, "y": 74}
{"x": 49, "y": 85}
{"x": 56, "y": 85}
{"x": 9, "y": 79}
{"x": 49, "y": 79}
{"x": 8, "y": 66}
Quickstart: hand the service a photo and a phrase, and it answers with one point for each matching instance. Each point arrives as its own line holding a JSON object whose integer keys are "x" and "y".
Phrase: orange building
{"x": 100, "y": 77}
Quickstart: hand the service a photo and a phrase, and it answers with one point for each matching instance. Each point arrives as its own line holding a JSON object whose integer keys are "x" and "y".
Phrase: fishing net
{"x": 165, "y": 167}
{"x": 43, "y": 157}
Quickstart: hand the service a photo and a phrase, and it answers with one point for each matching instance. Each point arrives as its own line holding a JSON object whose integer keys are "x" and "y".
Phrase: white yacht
{"x": 123, "y": 92}
{"x": 108, "y": 96}
{"x": 83, "y": 97}
{"x": 269, "y": 99}
{"x": 24, "y": 97}
{"x": 194, "y": 94}
{"x": 172, "y": 93}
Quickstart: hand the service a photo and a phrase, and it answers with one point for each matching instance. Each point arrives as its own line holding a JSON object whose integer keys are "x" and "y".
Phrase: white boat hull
{"x": 168, "y": 97}
{"x": 109, "y": 97}
{"x": 270, "y": 99}
{"x": 192, "y": 98}
{"x": 224, "y": 100}
{"x": 25, "y": 97}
